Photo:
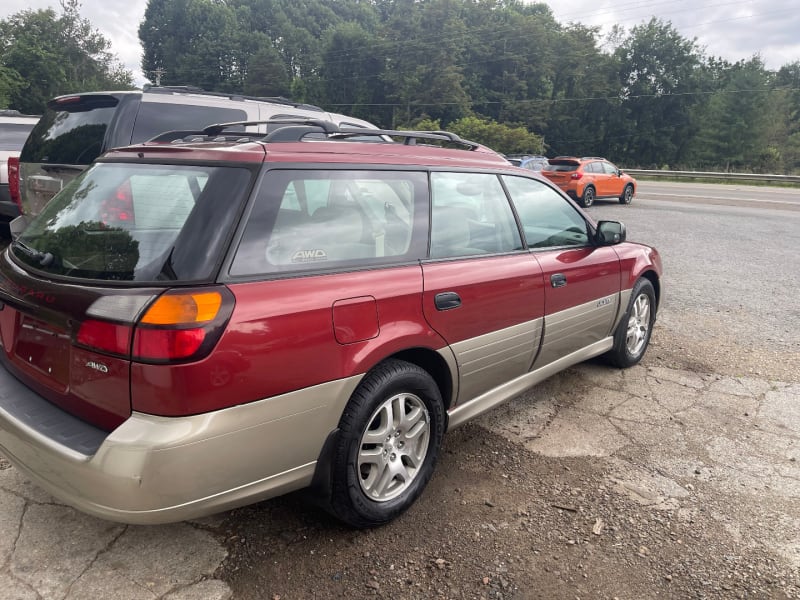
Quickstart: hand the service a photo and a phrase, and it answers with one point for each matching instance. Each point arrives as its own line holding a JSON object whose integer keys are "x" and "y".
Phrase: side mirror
{"x": 610, "y": 233}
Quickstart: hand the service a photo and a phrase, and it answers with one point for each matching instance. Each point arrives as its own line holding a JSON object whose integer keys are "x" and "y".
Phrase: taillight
{"x": 576, "y": 175}
{"x": 112, "y": 338}
{"x": 182, "y": 325}
{"x": 13, "y": 181}
{"x": 119, "y": 208}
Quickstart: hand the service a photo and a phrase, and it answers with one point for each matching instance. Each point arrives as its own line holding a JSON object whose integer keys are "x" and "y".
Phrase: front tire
{"x": 627, "y": 195}
{"x": 634, "y": 330}
{"x": 588, "y": 197}
{"x": 390, "y": 435}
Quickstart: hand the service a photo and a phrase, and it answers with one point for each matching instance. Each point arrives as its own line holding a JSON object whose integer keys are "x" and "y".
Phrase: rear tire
{"x": 634, "y": 330}
{"x": 588, "y": 197}
{"x": 390, "y": 435}
{"x": 627, "y": 195}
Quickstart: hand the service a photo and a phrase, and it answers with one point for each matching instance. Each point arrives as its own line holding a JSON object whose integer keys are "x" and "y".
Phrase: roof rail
{"x": 295, "y": 129}
{"x": 191, "y": 89}
{"x": 592, "y": 158}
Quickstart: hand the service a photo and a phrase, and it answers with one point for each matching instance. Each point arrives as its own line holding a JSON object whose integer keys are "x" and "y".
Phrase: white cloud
{"x": 729, "y": 29}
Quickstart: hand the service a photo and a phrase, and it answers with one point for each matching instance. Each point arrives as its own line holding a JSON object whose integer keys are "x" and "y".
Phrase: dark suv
{"x": 198, "y": 323}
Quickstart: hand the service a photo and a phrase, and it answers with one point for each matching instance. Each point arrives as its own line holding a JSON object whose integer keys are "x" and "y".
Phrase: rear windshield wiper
{"x": 60, "y": 167}
{"x": 45, "y": 259}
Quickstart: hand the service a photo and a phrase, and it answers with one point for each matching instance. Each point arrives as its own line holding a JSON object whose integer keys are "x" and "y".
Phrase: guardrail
{"x": 710, "y": 175}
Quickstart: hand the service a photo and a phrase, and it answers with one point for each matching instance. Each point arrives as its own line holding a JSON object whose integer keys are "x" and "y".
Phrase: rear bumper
{"x": 164, "y": 469}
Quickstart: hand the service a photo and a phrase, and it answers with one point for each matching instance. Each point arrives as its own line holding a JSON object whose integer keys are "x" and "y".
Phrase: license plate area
{"x": 44, "y": 348}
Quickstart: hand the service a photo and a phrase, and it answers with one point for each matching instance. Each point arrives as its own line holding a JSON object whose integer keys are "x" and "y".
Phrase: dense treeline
{"x": 644, "y": 97}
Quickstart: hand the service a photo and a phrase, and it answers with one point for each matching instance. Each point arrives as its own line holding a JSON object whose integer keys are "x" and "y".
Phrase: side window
{"x": 548, "y": 219}
{"x": 470, "y": 215}
{"x": 157, "y": 117}
{"x": 311, "y": 220}
{"x": 593, "y": 167}
{"x": 609, "y": 169}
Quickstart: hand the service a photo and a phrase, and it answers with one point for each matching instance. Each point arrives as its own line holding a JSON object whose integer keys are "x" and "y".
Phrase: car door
{"x": 599, "y": 177}
{"x": 615, "y": 182}
{"x": 481, "y": 291}
{"x": 582, "y": 281}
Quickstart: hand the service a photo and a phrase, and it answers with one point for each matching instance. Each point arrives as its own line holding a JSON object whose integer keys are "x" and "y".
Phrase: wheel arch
{"x": 429, "y": 360}
{"x": 653, "y": 278}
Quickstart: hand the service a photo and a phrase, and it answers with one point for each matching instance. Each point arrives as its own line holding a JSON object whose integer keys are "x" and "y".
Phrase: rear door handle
{"x": 447, "y": 301}
{"x": 558, "y": 280}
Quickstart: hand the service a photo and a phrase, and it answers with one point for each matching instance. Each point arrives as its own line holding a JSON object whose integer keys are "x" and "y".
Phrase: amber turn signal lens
{"x": 179, "y": 309}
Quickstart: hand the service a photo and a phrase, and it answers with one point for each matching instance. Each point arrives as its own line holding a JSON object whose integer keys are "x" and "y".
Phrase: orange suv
{"x": 585, "y": 179}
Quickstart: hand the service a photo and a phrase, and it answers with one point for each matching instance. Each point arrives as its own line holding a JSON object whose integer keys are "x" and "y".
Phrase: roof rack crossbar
{"x": 292, "y": 129}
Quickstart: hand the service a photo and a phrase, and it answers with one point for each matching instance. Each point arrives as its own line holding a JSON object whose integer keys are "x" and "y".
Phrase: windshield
{"x": 136, "y": 222}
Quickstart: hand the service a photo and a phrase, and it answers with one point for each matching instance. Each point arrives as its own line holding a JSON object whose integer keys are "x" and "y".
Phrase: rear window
{"x": 70, "y": 134}
{"x": 137, "y": 222}
{"x": 157, "y": 117}
{"x": 562, "y": 166}
{"x": 13, "y": 135}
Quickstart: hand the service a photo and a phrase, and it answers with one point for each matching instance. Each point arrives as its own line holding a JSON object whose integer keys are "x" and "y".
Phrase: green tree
{"x": 55, "y": 54}
{"x": 658, "y": 71}
{"x": 266, "y": 74}
{"x": 424, "y": 44}
{"x": 191, "y": 42}
{"x": 351, "y": 73}
{"x": 585, "y": 97}
{"x": 10, "y": 80}
{"x": 734, "y": 125}
{"x": 497, "y": 136}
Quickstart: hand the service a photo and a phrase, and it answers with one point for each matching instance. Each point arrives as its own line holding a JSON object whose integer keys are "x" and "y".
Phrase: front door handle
{"x": 558, "y": 280}
{"x": 447, "y": 301}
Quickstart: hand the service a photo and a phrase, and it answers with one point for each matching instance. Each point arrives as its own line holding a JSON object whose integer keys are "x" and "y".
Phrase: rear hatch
{"x": 560, "y": 170}
{"x": 79, "y": 286}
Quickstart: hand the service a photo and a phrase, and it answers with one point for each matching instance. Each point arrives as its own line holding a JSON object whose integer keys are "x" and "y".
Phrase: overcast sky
{"x": 730, "y": 29}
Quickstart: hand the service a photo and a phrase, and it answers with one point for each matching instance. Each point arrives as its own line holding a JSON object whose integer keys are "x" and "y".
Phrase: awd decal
{"x": 302, "y": 256}
{"x": 97, "y": 366}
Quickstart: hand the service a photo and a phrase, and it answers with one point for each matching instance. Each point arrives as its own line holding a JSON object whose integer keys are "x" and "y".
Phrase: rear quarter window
{"x": 333, "y": 219}
{"x": 157, "y": 117}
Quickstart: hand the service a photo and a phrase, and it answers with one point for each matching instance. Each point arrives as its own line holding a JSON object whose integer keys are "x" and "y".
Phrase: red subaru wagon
{"x": 205, "y": 321}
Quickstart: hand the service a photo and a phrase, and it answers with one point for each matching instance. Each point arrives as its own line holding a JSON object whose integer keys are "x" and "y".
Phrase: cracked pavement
{"x": 660, "y": 427}
{"x": 51, "y": 551}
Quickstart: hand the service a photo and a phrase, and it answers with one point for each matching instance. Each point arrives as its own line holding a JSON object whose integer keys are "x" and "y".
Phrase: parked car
{"x": 77, "y": 128}
{"x": 14, "y": 130}
{"x": 198, "y": 323}
{"x": 534, "y": 162}
{"x": 586, "y": 179}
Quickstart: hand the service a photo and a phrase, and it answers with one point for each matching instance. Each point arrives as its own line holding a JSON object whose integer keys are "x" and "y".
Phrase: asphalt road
{"x": 736, "y": 261}
{"x": 731, "y": 281}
